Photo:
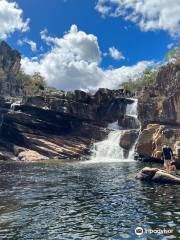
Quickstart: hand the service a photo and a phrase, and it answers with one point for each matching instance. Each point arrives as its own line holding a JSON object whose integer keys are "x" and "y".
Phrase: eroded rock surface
{"x": 157, "y": 175}
{"x": 159, "y": 113}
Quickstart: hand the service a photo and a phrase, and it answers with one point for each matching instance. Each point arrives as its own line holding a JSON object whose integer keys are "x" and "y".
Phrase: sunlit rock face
{"x": 161, "y": 103}
{"x": 159, "y": 113}
{"x": 9, "y": 68}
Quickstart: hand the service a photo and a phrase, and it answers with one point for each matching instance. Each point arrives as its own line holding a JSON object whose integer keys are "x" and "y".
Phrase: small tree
{"x": 145, "y": 79}
{"x": 31, "y": 85}
{"x": 174, "y": 54}
{"x": 38, "y": 82}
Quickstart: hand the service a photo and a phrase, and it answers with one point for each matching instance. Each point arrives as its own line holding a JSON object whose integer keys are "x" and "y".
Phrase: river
{"x": 76, "y": 200}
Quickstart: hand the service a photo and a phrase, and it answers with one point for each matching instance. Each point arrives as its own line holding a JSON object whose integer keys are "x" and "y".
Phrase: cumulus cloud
{"x": 31, "y": 43}
{"x": 73, "y": 62}
{"x": 76, "y": 44}
{"x": 115, "y": 53}
{"x": 11, "y": 19}
{"x": 148, "y": 14}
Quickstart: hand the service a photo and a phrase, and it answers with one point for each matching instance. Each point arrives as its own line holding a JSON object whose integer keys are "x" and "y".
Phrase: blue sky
{"x": 132, "y": 40}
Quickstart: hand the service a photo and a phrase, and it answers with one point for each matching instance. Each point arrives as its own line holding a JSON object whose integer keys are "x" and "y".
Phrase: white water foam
{"x": 131, "y": 109}
{"x": 114, "y": 126}
{"x": 109, "y": 150}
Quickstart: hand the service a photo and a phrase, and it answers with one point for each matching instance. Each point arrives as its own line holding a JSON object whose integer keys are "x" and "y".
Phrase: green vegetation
{"x": 174, "y": 54}
{"x": 146, "y": 79}
{"x": 31, "y": 85}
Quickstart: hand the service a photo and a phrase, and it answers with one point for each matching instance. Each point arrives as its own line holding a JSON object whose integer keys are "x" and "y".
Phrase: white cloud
{"x": 31, "y": 43}
{"x": 115, "y": 53}
{"x": 11, "y": 19}
{"x": 148, "y": 14}
{"x": 170, "y": 45}
{"x": 73, "y": 62}
{"x": 76, "y": 44}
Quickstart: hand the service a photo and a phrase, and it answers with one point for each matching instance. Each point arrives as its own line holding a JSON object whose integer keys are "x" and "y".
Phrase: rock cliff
{"x": 159, "y": 113}
{"x": 9, "y": 68}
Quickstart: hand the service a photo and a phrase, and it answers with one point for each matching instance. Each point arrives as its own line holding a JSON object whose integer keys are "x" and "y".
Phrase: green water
{"x": 71, "y": 200}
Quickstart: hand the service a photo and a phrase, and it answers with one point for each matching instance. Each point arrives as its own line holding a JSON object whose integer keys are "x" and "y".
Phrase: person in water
{"x": 168, "y": 157}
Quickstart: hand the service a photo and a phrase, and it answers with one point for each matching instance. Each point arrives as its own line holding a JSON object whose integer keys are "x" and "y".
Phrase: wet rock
{"x": 128, "y": 139}
{"x": 129, "y": 122}
{"x": 157, "y": 175}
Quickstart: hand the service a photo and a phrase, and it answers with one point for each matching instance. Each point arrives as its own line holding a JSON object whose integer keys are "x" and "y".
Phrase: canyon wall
{"x": 159, "y": 113}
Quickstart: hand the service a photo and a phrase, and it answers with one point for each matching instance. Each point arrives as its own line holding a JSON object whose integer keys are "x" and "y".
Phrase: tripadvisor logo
{"x": 139, "y": 231}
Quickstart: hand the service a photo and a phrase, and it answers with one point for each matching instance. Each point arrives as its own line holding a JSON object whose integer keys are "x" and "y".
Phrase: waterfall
{"x": 114, "y": 126}
{"x": 109, "y": 150}
{"x": 131, "y": 109}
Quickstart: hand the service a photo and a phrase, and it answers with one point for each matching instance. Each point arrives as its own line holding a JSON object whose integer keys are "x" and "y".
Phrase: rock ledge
{"x": 157, "y": 175}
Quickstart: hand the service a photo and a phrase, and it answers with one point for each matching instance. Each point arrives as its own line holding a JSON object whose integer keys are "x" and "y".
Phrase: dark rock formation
{"x": 128, "y": 139}
{"x": 57, "y": 125}
{"x": 157, "y": 175}
{"x": 129, "y": 122}
{"x": 9, "y": 67}
{"x": 159, "y": 113}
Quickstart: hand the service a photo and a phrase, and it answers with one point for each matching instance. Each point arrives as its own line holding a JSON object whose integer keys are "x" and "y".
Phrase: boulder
{"x": 145, "y": 142}
{"x": 30, "y": 155}
{"x": 157, "y": 175}
{"x": 154, "y": 136}
{"x": 128, "y": 139}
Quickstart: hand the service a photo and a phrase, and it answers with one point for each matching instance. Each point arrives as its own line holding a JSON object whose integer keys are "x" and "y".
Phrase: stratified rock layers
{"x": 159, "y": 113}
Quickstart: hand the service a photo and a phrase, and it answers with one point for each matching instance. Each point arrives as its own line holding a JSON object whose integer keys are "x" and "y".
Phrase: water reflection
{"x": 82, "y": 201}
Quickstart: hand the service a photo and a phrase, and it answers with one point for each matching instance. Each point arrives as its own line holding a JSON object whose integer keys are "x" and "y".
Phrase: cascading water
{"x": 109, "y": 149}
{"x": 131, "y": 109}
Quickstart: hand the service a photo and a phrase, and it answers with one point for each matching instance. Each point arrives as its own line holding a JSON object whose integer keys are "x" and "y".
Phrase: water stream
{"x": 109, "y": 150}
